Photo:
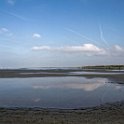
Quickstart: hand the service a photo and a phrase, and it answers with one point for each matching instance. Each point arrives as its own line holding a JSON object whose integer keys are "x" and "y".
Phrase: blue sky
{"x": 36, "y": 33}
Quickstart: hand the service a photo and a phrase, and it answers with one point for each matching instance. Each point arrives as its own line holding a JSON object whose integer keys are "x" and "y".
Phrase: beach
{"x": 109, "y": 113}
{"x": 104, "y": 114}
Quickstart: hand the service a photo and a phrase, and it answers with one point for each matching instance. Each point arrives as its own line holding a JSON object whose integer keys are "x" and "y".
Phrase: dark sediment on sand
{"x": 104, "y": 114}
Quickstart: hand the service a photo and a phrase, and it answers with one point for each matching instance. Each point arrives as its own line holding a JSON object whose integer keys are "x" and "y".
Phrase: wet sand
{"x": 37, "y": 73}
{"x": 106, "y": 114}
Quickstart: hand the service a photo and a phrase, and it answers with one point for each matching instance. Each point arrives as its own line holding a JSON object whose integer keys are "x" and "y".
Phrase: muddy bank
{"x": 115, "y": 77}
{"x": 106, "y": 114}
{"x": 41, "y": 73}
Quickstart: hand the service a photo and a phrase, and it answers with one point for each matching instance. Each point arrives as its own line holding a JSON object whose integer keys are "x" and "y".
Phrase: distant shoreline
{"x": 117, "y": 77}
{"x": 17, "y": 73}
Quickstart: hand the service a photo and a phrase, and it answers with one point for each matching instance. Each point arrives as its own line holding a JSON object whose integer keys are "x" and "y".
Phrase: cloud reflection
{"x": 84, "y": 84}
{"x": 36, "y": 100}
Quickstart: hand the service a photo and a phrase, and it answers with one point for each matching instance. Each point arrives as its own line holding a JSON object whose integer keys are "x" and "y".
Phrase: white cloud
{"x": 88, "y": 49}
{"x": 5, "y": 32}
{"x": 41, "y": 48}
{"x": 2, "y": 30}
{"x": 85, "y": 49}
{"x": 116, "y": 50}
{"x": 36, "y": 36}
{"x": 11, "y": 2}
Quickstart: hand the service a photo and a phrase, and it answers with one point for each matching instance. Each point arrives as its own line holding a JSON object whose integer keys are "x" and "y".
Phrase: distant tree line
{"x": 105, "y": 67}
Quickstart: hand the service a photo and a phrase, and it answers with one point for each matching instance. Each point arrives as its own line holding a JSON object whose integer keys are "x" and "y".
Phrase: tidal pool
{"x": 58, "y": 92}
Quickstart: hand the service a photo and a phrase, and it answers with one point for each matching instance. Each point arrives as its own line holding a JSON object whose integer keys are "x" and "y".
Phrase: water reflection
{"x": 76, "y": 83}
{"x": 58, "y": 92}
{"x": 95, "y": 72}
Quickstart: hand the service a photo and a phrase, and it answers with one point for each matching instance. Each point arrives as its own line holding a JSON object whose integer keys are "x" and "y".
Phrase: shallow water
{"x": 93, "y": 72}
{"x": 58, "y": 92}
{"x": 77, "y": 72}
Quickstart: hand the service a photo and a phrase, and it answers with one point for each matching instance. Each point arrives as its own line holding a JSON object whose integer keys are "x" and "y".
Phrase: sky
{"x": 61, "y": 33}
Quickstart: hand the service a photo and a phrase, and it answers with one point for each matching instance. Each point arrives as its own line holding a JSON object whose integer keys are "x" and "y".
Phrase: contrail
{"x": 15, "y": 15}
{"x": 108, "y": 48}
{"x": 102, "y": 36}
{"x": 83, "y": 36}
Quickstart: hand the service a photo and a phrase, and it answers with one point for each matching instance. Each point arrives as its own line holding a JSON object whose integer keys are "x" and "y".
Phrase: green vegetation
{"x": 105, "y": 67}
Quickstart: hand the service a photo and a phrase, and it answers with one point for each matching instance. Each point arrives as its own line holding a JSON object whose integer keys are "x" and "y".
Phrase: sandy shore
{"x": 106, "y": 114}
